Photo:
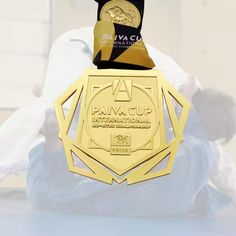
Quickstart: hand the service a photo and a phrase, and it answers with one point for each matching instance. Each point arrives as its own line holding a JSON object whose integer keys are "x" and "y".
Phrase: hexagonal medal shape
{"x": 119, "y": 125}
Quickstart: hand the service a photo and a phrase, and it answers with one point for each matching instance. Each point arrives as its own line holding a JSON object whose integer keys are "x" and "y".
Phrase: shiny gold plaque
{"x": 120, "y": 120}
{"x": 121, "y": 12}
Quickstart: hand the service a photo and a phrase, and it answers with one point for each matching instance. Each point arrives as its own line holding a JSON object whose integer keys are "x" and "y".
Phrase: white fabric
{"x": 17, "y": 135}
{"x": 67, "y": 62}
{"x": 69, "y": 57}
{"x": 171, "y": 71}
{"x": 223, "y": 174}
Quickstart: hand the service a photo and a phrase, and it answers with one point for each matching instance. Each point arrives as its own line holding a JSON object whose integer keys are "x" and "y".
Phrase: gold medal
{"x": 121, "y": 129}
{"x": 121, "y": 12}
{"x": 121, "y": 125}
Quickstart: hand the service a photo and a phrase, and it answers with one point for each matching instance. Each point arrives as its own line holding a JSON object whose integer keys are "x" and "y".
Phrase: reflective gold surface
{"x": 121, "y": 12}
{"x": 121, "y": 128}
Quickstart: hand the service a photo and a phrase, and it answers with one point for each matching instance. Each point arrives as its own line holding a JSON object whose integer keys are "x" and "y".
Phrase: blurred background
{"x": 199, "y": 35}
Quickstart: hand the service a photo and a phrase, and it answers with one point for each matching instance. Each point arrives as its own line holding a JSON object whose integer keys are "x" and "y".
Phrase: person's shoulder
{"x": 79, "y": 36}
{"x": 169, "y": 68}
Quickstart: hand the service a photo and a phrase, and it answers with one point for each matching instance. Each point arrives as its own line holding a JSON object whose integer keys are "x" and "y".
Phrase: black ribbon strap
{"x": 117, "y": 39}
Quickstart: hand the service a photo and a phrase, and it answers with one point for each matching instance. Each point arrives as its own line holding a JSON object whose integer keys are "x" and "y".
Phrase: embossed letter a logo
{"x": 122, "y": 90}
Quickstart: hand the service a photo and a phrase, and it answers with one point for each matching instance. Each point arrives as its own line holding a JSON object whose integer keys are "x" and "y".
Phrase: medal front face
{"x": 121, "y": 129}
{"x": 121, "y": 12}
{"x": 120, "y": 121}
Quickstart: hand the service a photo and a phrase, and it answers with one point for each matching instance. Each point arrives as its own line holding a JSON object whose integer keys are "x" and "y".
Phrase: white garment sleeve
{"x": 169, "y": 68}
{"x": 17, "y": 135}
{"x": 223, "y": 174}
{"x": 68, "y": 60}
